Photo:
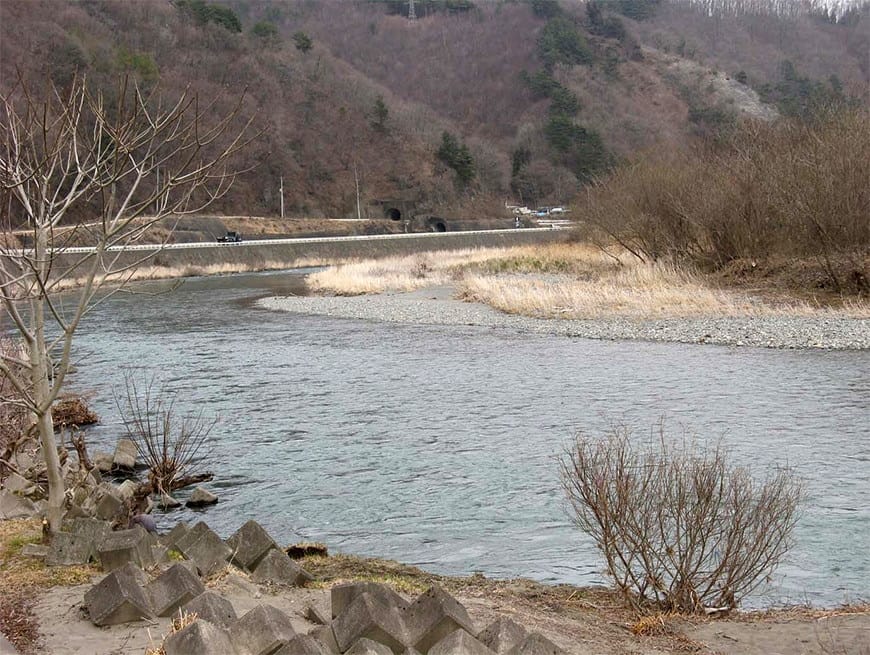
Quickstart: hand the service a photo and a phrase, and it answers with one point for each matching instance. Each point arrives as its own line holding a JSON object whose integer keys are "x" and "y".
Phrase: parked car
{"x": 230, "y": 237}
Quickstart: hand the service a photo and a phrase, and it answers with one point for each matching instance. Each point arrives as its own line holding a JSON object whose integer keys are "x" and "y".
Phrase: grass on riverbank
{"x": 574, "y": 281}
{"x": 22, "y": 578}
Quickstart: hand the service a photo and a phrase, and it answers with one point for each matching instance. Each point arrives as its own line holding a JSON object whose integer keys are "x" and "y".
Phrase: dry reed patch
{"x": 638, "y": 291}
{"x": 631, "y": 289}
{"x": 153, "y": 272}
{"x": 406, "y": 273}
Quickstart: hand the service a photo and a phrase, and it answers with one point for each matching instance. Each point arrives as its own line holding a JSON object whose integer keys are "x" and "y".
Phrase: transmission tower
{"x": 412, "y": 13}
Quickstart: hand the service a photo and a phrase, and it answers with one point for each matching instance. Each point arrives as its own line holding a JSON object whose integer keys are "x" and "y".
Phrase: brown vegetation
{"x": 457, "y": 72}
{"x": 680, "y": 527}
{"x": 23, "y": 578}
{"x": 72, "y": 411}
{"x": 792, "y": 190}
{"x": 169, "y": 444}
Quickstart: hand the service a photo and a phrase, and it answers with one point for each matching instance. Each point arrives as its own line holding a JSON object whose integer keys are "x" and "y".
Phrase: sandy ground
{"x": 578, "y": 629}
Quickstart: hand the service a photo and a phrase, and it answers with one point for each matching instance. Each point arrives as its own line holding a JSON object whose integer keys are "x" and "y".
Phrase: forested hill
{"x": 473, "y": 103}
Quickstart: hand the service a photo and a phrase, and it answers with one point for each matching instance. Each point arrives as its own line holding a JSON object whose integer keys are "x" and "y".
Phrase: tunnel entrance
{"x": 393, "y": 214}
{"x": 437, "y": 224}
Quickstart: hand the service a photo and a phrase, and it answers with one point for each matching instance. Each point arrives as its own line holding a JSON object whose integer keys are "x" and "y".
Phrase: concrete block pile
{"x": 371, "y": 618}
{"x": 126, "y": 594}
{"x": 365, "y": 618}
{"x": 368, "y": 619}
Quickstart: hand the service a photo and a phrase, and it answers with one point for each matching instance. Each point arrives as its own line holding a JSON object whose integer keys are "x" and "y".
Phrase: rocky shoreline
{"x": 435, "y": 306}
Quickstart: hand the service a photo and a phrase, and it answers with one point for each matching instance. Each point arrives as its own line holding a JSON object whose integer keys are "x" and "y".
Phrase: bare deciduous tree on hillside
{"x": 78, "y": 167}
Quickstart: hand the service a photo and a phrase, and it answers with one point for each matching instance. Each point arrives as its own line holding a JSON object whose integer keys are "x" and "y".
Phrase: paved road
{"x": 272, "y": 242}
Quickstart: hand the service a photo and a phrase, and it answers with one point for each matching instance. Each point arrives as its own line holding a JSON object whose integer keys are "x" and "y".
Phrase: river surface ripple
{"x": 439, "y": 446}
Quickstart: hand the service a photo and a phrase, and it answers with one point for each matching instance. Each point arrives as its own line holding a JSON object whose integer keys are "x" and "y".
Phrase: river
{"x": 439, "y": 446}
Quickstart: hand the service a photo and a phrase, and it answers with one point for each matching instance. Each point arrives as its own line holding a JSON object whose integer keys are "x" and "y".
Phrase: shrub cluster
{"x": 791, "y": 189}
{"x": 679, "y": 527}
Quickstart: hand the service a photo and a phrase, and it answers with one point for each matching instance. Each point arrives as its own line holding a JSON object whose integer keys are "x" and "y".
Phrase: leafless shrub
{"x": 170, "y": 445}
{"x": 794, "y": 190}
{"x": 680, "y": 528}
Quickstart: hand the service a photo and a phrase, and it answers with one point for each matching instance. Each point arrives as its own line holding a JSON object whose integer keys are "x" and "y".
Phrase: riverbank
{"x": 579, "y": 620}
{"x": 439, "y": 306}
{"x": 577, "y": 290}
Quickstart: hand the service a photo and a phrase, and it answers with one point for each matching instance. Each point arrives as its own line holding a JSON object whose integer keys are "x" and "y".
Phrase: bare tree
{"x": 74, "y": 153}
{"x": 679, "y": 527}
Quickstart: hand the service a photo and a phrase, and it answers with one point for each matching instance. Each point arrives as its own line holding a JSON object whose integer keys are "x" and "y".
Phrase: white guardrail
{"x": 299, "y": 240}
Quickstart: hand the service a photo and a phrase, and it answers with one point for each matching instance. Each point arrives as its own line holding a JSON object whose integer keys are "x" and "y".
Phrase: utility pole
{"x": 281, "y": 190}
{"x": 356, "y": 180}
{"x": 412, "y": 14}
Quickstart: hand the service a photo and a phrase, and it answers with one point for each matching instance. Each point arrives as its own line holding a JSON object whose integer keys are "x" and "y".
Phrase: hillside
{"x": 536, "y": 96}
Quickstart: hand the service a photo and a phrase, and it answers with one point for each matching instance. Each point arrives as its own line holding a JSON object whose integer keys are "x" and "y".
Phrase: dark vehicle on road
{"x": 230, "y": 237}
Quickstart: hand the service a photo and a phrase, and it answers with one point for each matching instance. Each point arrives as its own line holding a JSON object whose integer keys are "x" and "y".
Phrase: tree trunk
{"x": 41, "y": 396}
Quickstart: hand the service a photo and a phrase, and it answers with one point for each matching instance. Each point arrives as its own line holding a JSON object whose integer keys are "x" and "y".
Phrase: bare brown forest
{"x": 538, "y": 97}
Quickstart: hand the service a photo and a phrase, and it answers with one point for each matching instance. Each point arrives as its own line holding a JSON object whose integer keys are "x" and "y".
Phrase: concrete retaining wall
{"x": 297, "y": 252}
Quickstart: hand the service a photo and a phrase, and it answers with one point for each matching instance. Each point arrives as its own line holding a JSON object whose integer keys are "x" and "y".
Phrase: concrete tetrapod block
{"x": 536, "y": 644}
{"x": 36, "y": 551}
{"x": 277, "y": 568}
{"x": 303, "y": 645}
{"x": 187, "y": 537}
{"x": 16, "y": 483}
{"x": 326, "y": 636}
{"x": 210, "y": 607}
{"x": 434, "y": 615}
{"x": 13, "y": 506}
{"x": 343, "y": 594}
{"x": 90, "y": 528}
{"x": 315, "y": 615}
{"x": 172, "y": 589}
{"x": 103, "y": 461}
{"x": 250, "y": 543}
{"x": 205, "y": 548}
{"x": 118, "y": 598}
{"x": 502, "y": 635}
{"x": 119, "y": 548}
{"x": 261, "y": 631}
{"x": 178, "y": 531}
{"x": 125, "y": 455}
{"x": 68, "y": 549}
{"x": 199, "y": 638}
{"x": 459, "y": 642}
{"x": 368, "y": 647}
{"x": 108, "y": 506}
{"x": 368, "y": 617}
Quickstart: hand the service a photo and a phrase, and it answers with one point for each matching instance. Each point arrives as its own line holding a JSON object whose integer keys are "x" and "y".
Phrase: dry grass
{"x": 21, "y": 578}
{"x": 154, "y": 272}
{"x": 72, "y": 411}
{"x": 17, "y": 572}
{"x": 406, "y": 273}
{"x": 178, "y": 623}
{"x": 573, "y": 281}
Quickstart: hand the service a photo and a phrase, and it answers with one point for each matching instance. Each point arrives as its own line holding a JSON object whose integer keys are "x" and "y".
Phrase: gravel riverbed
{"x": 435, "y": 306}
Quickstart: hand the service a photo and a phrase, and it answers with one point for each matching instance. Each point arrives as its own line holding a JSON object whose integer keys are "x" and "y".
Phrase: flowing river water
{"x": 439, "y": 446}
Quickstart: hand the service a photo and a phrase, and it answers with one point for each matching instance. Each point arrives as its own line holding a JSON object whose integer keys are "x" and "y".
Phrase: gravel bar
{"x": 435, "y": 307}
